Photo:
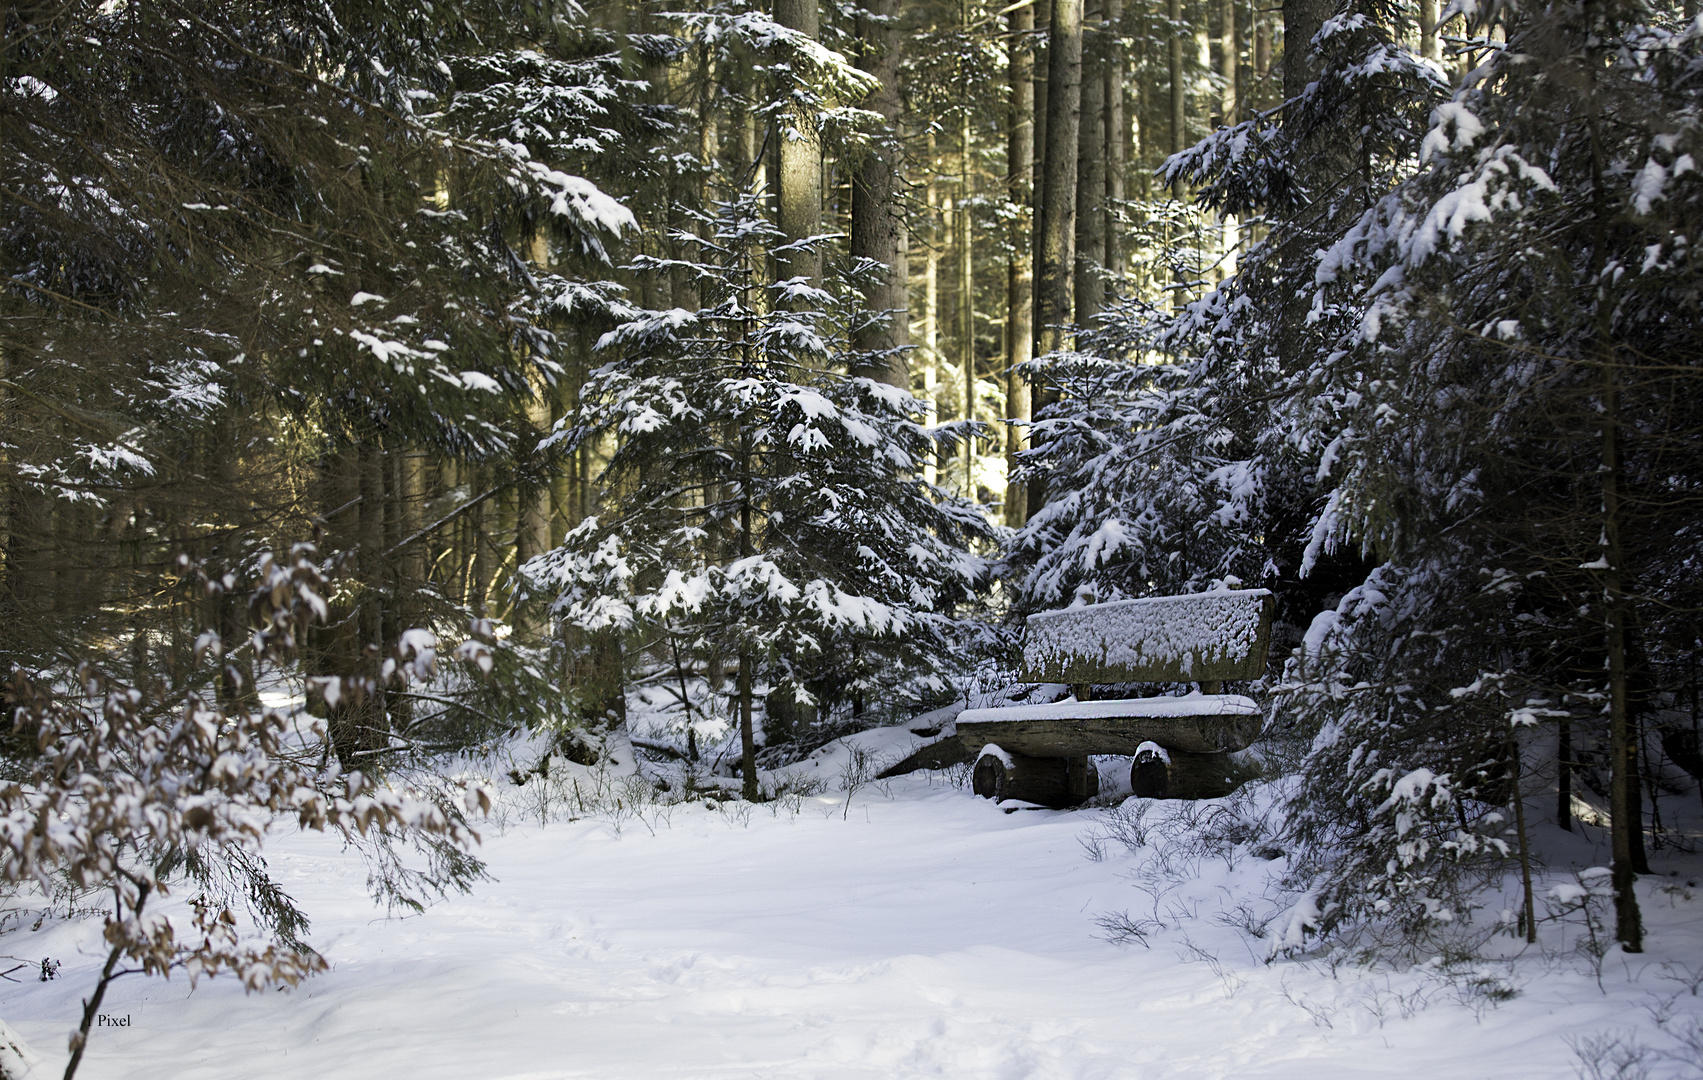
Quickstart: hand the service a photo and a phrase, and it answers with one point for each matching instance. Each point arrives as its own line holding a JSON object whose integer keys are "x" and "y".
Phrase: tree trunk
{"x": 876, "y": 221}
{"x": 1227, "y": 55}
{"x": 1302, "y": 20}
{"x": 1322, "y": 158}
{"x": 532, "y": 533}
{"x": 1046, "y": 781}
{"x": 1116, "y": 149}
{"x": 1179, "y": 93}
{"x": 1625, "y": 816}
{"x": 799, "y": 203}
{"x": 1228, "y": 107}
{"x": 1043, "y": 71}
{"x": 7, "y": 614}
{"x": 1185, "y": 776}
{"x": 1430, "y": 45}
{"x": 1091, "y": 174}
{"x": 1056, "y": 248}
{"x": 1054, "y": 299}
{"x": 747, "y": 660}
{"x": 1019, "y": 282}
{"x": 931, "y": 306}
{"x": 967, "y": 302}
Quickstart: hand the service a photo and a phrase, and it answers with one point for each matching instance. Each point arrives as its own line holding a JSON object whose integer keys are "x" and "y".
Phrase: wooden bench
{"x": 1180, "y": 745}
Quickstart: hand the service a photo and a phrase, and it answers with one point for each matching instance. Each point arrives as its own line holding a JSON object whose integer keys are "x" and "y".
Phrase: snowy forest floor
{"x": 906, "y": 929}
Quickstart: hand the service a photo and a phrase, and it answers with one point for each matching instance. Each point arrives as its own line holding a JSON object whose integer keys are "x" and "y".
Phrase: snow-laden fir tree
{"x": 232, "y": 326}
{"x": 759, "y": 501}
{"x": 1185, "y": 445}
{"x": 1519, "y": 438}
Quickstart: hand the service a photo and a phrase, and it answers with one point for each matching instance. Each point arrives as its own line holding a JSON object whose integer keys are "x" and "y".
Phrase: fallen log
{"x": 940, "y": 754}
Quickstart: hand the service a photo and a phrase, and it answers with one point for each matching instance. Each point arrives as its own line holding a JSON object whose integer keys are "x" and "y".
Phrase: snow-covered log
{"x": 1197, "y": 723}
{"x": 1046, "y": 781}
{"x": 1207, "y": 637}
{"x": 1178, "y": 774}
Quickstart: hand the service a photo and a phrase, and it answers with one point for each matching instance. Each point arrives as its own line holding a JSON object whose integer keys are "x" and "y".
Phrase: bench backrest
{"x": 1208, "y": 637}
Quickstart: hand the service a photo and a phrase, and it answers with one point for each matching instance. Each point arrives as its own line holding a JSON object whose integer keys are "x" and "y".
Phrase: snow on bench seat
{"x": 1196, "y": 723}
{"x": 1207, "y": 637}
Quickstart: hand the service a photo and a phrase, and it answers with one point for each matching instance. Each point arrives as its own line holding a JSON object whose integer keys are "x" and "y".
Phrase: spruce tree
{"x": 762, "y": 503}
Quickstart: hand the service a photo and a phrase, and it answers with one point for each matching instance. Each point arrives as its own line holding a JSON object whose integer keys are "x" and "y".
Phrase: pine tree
{"x": 760, "y": 502}
{"x": 1523, "y": 457}
{"x": 287, "y": 323}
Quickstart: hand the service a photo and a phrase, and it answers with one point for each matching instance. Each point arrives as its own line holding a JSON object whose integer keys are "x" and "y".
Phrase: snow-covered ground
{"x": 912, "y": 930}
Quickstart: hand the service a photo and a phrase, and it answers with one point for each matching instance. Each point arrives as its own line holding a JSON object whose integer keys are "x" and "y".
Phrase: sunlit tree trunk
{"x": 1116, "y": 144}
{"x": 876, "y": 221}
{"x": 1054, "y": 299}
{"x": 1179, "y": 92}
{"x": 799, "y": 199}
{"x": 967, "y": 295}
{"x": 931, "y": 302}
{"x": 1019, "y": 280}
{"x": 1091, "y": 173}
{"x": 1430, "y": 45}
{"x": 1227, "y": 56}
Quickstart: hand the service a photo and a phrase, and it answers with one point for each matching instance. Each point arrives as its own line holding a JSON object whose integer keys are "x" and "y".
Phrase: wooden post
{"x": 1185, "y": 776}
{"x": 1055, "y": 782}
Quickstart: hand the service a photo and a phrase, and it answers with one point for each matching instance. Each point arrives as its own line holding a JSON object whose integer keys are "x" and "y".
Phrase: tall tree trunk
{"x": 1054, "y": 299}
{"x": 1116, "y": 145}
{"x": 1625, "y": 816}
{"x": 876, "y": 222}
{"x": 747, "y": 659}
{"x": 1430, "y": 45}
{"x": 1089, "y": 286}
{"x": 1179, "y": 93}
{"x": 1019, "y": 280}
{"x": 1302, "y": 20}
{"x": 1055, "y": 278}
{"x": 799, "y": 205}
{"x": 931, "y": 303}
{"x": 689, "y": 186}
{"x": 415, "y": 558}
{"x": 532, "y": 531}
{"x": 1227, "y": 57}
{"x": 967, "y": 297}
{"x": 1043, "y": 70}
{"x": 6, "y": 420}
{"x": 1322, "y": 159}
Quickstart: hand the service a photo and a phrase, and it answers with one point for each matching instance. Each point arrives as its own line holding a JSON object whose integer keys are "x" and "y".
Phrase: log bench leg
{"x": 1186, "y": 776}
{"x": 1045, "y": 781}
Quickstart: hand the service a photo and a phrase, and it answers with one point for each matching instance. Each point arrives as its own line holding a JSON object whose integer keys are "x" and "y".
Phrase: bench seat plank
{"x": 1195, "y": 723}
